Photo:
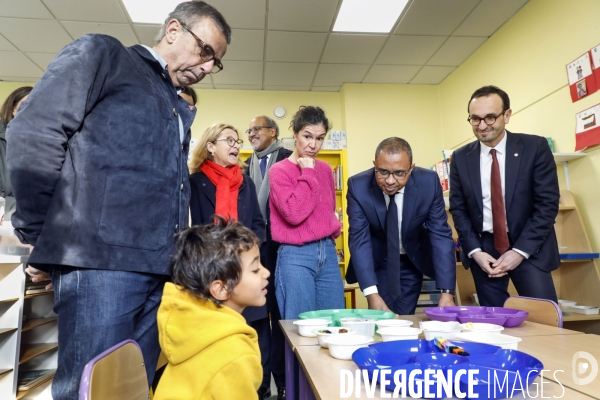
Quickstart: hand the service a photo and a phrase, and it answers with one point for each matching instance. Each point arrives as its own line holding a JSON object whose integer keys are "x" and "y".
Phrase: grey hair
{"x": 190, "y": 12}
{"x": 271, "y": 124}
{"x": 394, "y": 145}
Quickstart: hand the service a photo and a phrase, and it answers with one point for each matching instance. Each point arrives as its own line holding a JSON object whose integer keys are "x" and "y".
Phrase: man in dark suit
{"x": 263, "y": 135}
{"x": 389, "y": 259}
{"x": 504, "y": 200}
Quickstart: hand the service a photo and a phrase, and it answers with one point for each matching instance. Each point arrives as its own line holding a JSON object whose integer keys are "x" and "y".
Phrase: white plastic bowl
{"x": 481, "y": 327}
{"x": 342, "y": 346}
{"x": 496, "y": 339}
{"x": 399, "y": 333}
{"x": 433, "y": 329}
{"x": 321, "y": 335}
{"x": 362, "y": 326}
{"x": 306, "y": 326}
{"x": 384, "y": 323}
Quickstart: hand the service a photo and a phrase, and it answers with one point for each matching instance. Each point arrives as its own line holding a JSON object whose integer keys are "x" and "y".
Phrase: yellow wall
{"x": 239, "y": 107}
{"x": 375, "y": 112}
{"x": 527, "y": 59}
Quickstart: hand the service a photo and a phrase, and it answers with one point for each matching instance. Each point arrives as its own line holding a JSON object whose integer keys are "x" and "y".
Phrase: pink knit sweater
{"x": 302, "y": 203}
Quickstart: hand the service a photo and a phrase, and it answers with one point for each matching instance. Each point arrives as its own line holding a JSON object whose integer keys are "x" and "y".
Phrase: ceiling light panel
{"x": 149, "y": 11}
{"x": 369, "y": 16}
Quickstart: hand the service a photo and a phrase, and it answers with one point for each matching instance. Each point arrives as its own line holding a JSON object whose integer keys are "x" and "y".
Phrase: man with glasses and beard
{"x": 263, "y": 135}
{"x": 97, "y": 157}
{"x": 398, "y": 231}
{"x": 504, "y": 200}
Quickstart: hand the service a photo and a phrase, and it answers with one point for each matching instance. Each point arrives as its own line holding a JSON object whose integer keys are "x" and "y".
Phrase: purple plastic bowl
{"x": 470, "y": 309}
{"x": 516, "y": 319}
{"x": 513, "y": 316}
{"x": 439, "y": 314}
{"x": 503, "y": 311}
{"x": 485, "y": 318}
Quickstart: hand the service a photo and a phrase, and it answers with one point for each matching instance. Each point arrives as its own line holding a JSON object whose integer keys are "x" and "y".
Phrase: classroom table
{"x": 297, "y": 345}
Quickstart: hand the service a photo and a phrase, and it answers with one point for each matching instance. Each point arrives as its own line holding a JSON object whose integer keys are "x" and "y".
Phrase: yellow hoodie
{"x": 212, "y": 352}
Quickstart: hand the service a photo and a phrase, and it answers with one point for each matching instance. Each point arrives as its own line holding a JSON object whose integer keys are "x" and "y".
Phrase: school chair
{"x": 541, "y": 311}
{"x": 117, "y": 373}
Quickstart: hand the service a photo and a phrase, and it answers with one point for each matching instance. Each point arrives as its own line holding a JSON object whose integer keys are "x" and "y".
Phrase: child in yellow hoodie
{"x": 212, "y": 352}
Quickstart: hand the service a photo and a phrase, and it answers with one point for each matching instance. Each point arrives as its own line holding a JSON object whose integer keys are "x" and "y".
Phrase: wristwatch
{"x": 447, "y": 291}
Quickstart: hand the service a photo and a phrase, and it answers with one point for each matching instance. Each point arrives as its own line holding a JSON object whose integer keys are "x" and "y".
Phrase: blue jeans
{"x": 308, "y": 278}
{"x": 98, "y": 309}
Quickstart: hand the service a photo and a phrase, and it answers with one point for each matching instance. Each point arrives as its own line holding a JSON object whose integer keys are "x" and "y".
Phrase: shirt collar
{"x": 401, "y": 191}
{"x": 157, "y": 56}
{"x": 500, "y": 147}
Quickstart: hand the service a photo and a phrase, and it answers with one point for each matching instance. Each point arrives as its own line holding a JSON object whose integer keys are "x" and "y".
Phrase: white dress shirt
{"x": 485, "y": 168}
{"x": 399, "y": 199}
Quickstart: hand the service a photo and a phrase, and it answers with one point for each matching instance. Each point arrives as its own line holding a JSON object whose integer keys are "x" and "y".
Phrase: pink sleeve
{"x": 294, "y": 199}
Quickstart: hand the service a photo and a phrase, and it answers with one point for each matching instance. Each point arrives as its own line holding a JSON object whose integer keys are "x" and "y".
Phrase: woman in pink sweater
{"x": 302, "y": 203}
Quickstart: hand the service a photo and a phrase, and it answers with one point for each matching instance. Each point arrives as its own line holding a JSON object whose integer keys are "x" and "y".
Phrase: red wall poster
{"x": 582, "y": 81}
{"x": 587, "y": 131}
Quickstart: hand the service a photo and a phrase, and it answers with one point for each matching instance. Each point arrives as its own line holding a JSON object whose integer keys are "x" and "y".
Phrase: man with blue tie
{"x": 504, "y": 199}
{"x": 398, "y": 231}
{"x": 263, "y": 135}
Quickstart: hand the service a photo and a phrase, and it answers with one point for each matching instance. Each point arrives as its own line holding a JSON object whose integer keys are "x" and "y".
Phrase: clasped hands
{"x": 497, "y": 268}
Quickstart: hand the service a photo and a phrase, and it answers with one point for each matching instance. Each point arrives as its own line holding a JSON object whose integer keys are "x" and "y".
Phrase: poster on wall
{"x": 587, "y": 130}
{"x": 595, "y": 54}
{"x": 582, "y": 81}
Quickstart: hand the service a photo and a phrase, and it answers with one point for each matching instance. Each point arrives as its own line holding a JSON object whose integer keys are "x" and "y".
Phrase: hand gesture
{"x": 306, "y": 162}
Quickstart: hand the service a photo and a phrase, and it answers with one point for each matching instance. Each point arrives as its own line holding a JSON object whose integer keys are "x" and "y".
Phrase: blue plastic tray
{"x": 518, "y": 368}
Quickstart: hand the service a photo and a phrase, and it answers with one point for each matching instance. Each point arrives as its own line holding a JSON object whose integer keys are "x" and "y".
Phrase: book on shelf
{"x": 28, "y": 379}
{"x": 337, "y": 177}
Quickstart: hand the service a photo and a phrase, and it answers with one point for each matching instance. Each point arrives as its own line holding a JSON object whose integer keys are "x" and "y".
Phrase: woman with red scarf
{"x": 218, "y": 185}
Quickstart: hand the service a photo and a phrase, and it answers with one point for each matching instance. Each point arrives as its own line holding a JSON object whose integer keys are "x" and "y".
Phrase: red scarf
{"x": 228, "y": 182}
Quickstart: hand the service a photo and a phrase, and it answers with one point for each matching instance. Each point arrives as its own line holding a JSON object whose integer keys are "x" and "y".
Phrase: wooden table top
{"x": 556, "y": 353}
{"x": 323, "y": 374}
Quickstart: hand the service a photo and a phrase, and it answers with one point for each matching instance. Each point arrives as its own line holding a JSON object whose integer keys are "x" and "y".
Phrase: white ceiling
{"x": 276, "y": 44}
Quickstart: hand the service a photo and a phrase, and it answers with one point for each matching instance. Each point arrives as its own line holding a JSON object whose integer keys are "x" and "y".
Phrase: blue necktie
{"x": 263, "y": 166}
{"x": 393, "y": 249}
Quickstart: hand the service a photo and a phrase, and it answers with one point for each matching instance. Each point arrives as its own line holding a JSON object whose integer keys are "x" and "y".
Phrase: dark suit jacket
{"x": 531, "y": 198}
{"x": 202, "y": 207}
{"x": 430, "y": 248}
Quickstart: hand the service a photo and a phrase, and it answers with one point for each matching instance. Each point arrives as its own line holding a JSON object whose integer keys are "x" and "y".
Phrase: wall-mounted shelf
{"x": 563, "y": 159}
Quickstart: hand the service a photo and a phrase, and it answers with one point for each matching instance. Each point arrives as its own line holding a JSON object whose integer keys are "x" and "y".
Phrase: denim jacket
{"x": 96, "y": 160}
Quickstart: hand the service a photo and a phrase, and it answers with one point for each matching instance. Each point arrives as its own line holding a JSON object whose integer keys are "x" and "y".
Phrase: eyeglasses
{"x": 488, "y": 119}
{"x": 255, "y": 129}
{"x": 231, "y": 141}
{"x": 207, "y": 53}
{"x": 398, "y": 175}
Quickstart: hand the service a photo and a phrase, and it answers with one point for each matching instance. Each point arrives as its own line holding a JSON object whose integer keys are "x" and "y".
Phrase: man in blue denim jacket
{"x": 97, "y": 156}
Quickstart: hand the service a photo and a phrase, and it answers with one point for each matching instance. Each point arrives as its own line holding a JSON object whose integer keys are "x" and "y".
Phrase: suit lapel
{"x": 475, "y": 173}
{"x": 378, "y": 200}
{"x": 512, "y": 161}
{"x": 408, "y": 206}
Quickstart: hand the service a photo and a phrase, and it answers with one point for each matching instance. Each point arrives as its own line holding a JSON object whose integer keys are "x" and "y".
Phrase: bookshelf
{"x": 335, "y": 158}
{"x": 25, "y": 345}
{"x": 576, "y": 280}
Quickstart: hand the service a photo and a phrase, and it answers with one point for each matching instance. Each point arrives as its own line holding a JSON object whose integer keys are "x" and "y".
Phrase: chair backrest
{"x": 117, "y": 373}
{"x": 541, "y": 311}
